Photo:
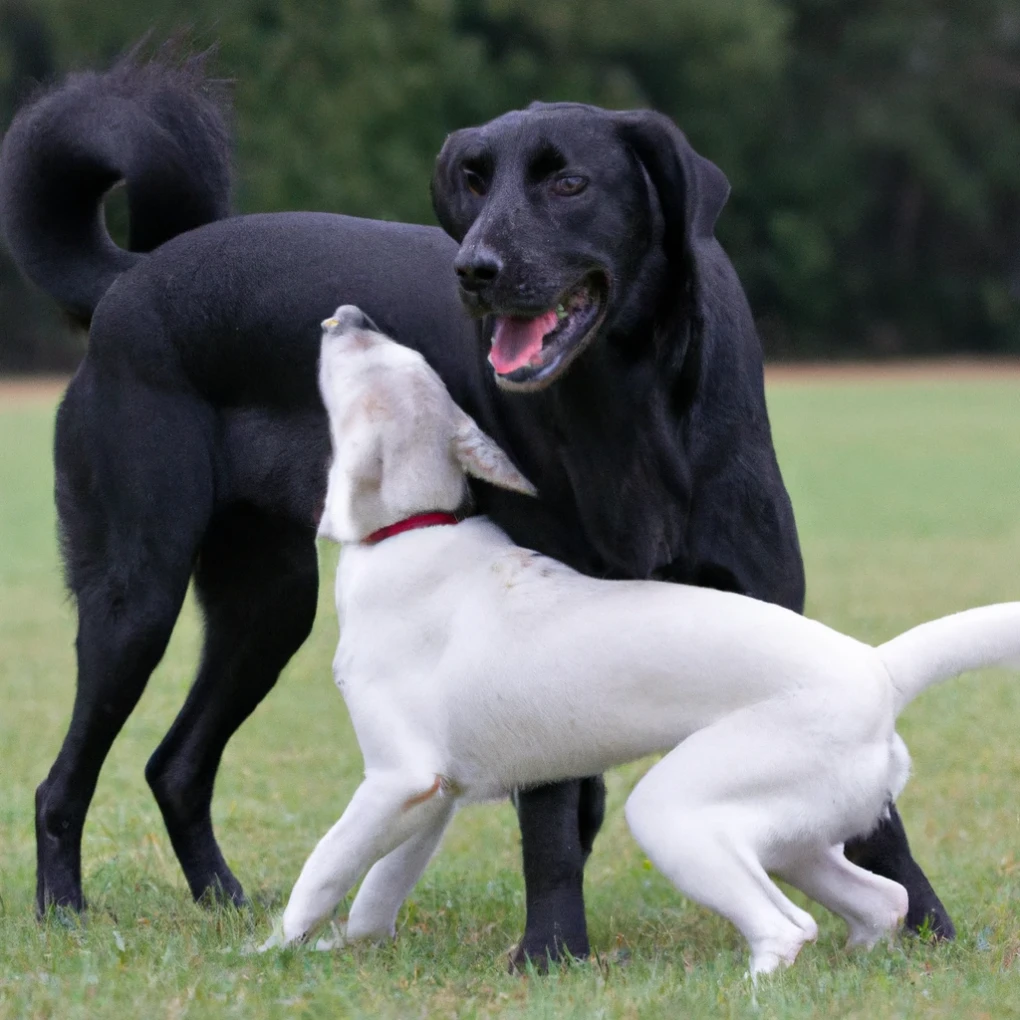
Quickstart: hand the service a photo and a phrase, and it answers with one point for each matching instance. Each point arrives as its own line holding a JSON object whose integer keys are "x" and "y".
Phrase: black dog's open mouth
{"x": 528, "y": 352}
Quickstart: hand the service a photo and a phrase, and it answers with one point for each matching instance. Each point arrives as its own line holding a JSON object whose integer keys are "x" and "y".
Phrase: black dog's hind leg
{"x": 130, "y": 527}
{"x": 121, "y": 637}
{"x": 886, "y": 852}
{"x": 257, "y": 580}
{"x": 558, "y": 826}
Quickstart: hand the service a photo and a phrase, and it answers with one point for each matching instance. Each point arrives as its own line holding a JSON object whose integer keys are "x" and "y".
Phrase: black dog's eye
{"x": 570, "y": 184}
{"x": 476, "y": 184}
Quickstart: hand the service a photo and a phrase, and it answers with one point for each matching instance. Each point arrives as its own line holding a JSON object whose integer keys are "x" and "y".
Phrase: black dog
{"x": 192, "y": 441}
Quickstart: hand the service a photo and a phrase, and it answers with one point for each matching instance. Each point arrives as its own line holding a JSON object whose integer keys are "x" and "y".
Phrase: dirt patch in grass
{"x": 917, "y": 370}
{"x": 19, "y": 391}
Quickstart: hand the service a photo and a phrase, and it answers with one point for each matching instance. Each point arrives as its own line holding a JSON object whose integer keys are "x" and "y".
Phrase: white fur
{"x": 471, "y": 666}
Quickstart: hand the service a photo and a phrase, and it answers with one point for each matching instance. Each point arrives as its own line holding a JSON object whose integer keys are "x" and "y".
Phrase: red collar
{"x": 409, "y": 524}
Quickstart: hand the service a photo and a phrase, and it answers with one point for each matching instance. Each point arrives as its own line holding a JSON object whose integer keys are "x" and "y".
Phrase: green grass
{"x": 908, "y": 497}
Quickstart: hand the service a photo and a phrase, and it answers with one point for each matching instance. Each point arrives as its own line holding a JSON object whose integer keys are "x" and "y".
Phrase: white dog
{"x": 471, "y": 666}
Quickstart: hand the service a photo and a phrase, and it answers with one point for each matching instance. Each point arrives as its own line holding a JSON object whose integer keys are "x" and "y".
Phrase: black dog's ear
{"x": 692, "y": 190}
{"x": 452, "y": 202}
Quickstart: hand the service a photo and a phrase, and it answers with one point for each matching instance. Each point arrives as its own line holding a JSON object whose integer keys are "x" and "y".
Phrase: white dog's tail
{"x": 941, "y": 649}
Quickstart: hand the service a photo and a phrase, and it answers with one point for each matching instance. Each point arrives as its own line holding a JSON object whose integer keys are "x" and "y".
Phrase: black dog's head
{"x": 573, "y": 221}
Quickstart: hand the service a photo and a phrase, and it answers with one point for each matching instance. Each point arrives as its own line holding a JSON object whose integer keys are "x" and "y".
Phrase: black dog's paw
{"x": 63, "y": 915}
{"x": 223, "y": 891}
{"x": 65, "y": 906}
{"x": 543, "y": 955}
{"x": 926, "y": 916}
{"x": 930, "y": 922}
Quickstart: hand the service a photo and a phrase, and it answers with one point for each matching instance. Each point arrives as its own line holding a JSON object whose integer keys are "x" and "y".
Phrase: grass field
{"x": 908, "y": 497}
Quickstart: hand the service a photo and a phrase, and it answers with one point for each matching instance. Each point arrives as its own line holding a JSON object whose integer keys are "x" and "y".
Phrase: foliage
{"x": 873, "y": 148}
{"x": 890, "y": 213}
{"x": 31, "y": 338}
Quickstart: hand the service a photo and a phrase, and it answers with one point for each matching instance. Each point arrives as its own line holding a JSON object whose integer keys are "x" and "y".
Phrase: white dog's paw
{"x": 336, "y": 938}
{"x": 769, "y": 955}
{"x": 276, "y": 940}
{"x": 883, "y": 923}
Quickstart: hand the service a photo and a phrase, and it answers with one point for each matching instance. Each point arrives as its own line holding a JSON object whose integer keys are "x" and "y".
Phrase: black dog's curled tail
{"x": 160, "y": 127}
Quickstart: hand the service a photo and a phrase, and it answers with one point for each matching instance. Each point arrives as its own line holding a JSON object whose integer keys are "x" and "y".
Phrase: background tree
{"x": 31, "y": 336}
{"x": 873, "y": 147}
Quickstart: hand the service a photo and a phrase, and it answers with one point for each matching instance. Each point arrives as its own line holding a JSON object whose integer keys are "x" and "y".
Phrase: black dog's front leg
{"x": 558, "y": 827}
{"x": 886, "y": 852}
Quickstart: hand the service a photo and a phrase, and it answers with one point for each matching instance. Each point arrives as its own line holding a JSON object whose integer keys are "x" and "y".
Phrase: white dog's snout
{"x": 347, "y": 318}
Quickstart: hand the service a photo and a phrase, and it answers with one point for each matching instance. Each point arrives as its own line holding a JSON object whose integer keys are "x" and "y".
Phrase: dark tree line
{"x": 873, "y": 145}
{"x": 32, "y": 338}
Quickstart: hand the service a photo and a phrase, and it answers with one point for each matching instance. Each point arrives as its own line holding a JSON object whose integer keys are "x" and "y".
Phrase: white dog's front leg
{"x": 390, "y": 881}
{"x": 385, "y": 811}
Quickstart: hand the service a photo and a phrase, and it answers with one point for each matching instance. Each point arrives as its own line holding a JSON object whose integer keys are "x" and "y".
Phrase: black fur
{"x": 192, "y": 441}
{"x": 157, "y": 127}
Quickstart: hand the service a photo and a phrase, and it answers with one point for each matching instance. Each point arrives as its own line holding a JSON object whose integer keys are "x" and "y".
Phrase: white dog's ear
{"x": 481, "y": 458}
{"x": 354, "y": 474}
{"x": 327, "y": 527}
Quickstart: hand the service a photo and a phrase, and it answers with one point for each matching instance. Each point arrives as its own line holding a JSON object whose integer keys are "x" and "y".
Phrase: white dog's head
{"x": 401, "y": 446}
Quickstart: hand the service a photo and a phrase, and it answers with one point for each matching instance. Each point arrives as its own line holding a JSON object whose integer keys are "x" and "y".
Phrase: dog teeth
{"x": 561, "y": 312}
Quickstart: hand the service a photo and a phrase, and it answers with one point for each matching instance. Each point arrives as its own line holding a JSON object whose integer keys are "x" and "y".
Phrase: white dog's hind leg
{"x": 385, "y": 811}
{"x": 872, "y": 906}
{"x": 705, "y": 863}
{"x": 704, "y": 815}
{"x": 374, "y": 911}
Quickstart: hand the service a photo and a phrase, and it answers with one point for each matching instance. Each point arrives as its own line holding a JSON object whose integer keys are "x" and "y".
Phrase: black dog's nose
{"x": 477, "y": 268}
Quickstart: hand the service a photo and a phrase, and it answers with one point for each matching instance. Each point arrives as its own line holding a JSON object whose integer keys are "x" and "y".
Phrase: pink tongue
{"x": 516, "y": 342}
